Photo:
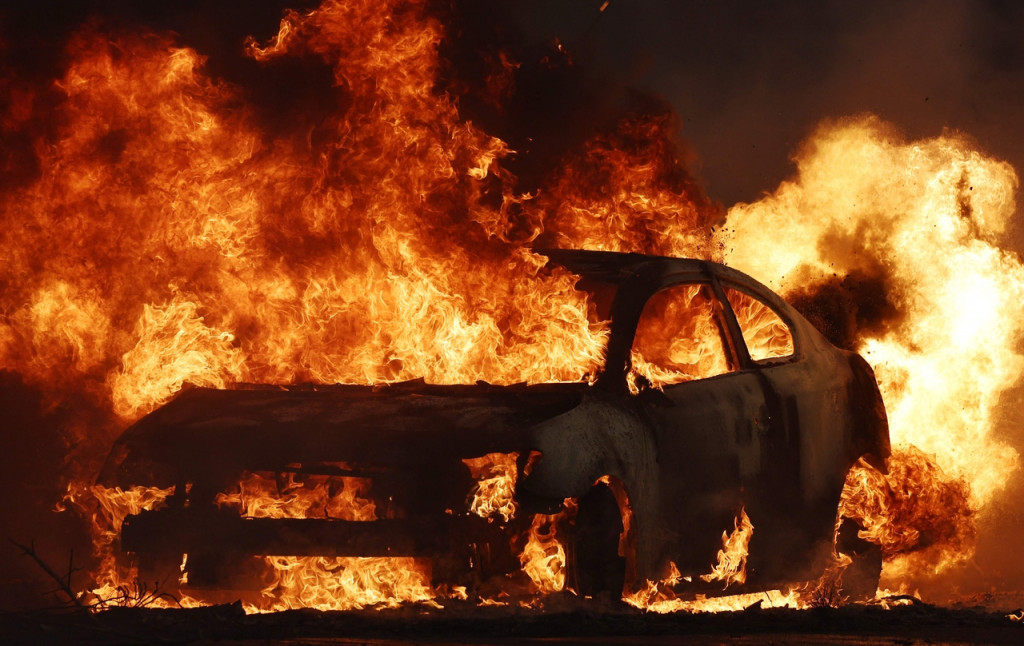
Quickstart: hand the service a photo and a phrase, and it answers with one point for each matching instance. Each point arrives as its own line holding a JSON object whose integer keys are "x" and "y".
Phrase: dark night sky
{"x": 750, "y": 79}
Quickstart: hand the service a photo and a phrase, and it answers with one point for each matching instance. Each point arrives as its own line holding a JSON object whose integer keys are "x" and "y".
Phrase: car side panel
{"x": 798, "y": 499}
{"x": 711, "y": 435}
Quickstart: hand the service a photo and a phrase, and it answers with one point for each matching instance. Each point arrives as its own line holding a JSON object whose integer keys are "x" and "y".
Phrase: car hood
{"x": 209, "y": 434}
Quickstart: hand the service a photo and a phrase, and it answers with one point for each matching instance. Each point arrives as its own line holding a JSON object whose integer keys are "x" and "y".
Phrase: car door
{"x": 709, "y": 414}
{"x": 795, "y": 387}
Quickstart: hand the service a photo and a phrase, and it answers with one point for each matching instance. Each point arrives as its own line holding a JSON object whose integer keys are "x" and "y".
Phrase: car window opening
{"x": 679, "y": 338}
{"x": 767, "y": 336}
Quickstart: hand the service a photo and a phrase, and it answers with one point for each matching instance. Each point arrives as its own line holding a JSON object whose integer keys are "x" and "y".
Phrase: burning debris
{"x": 158, "y": 235}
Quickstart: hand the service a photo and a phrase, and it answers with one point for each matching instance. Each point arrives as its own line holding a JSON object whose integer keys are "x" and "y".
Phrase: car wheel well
{"x": 601, "y": 547}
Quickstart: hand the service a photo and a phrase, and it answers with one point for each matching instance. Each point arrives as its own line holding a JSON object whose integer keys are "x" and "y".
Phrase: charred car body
{"x": 715, "y": 397}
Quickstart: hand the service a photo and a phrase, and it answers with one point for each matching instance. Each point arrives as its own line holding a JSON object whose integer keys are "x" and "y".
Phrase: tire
{"x": 597, "y": 567}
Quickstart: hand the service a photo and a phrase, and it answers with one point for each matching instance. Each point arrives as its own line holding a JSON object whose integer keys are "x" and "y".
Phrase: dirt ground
{"x": 574, "y": 622}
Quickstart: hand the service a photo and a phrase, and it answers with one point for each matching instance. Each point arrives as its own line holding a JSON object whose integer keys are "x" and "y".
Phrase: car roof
{"x": 617, "y": 267}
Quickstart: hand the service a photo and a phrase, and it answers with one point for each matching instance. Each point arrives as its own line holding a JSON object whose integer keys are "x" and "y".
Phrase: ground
{"x": 569, "y": 621}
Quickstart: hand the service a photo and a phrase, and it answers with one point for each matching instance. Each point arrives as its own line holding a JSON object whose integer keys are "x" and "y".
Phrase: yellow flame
{"x": 342, "y": 583}
{"x": 494, "y": 493}
{"x": 305, "y": 496}
{"x": 543, "y": 555}
{"x": 926, "y": 218}
{"x": 732, "y": 558}
{"x": 660, "y": 597}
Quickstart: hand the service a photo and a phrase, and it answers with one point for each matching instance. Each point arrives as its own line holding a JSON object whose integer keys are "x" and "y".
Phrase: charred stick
{"x": 65, "y": 585}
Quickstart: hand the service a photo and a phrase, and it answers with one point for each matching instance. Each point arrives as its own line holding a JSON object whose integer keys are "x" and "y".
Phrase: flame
{"x": 167, "y": 238}
{"x": 659, "y": 596}
{"x": 342, "y": 583}
{"x": 677, "y": 339}
{"x": 325, "y": 583}
{"x": 732, "y": 558}
{"x": 625, "y": 191}
{"x": 764, "y": 333}
{"x": 915, "y": 508}
{"x": 115, "y": 582}
{"x": 197, "y": 252}
{"x": 305, "y": 496}
{"x": 494, "y": 493}
{"x": 174, "y": 347}
{"x": 543, "y": 555}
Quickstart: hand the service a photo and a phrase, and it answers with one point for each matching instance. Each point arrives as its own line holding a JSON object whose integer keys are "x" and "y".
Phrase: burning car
{"x": 718, "y": 408}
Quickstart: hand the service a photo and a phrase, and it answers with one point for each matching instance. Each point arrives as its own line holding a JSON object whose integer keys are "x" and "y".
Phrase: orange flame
{"x": 115, "y": 583}
{"x": 305, "y": 496}
{"x": 920, "y": 517}
{"x": 543, "y": 555}
{"x": 494, "y": 494}
{"x": 343, "y": 583}
{"x": 677, "y": 339}
{"x": 732, "y": 558}
{"x": 764, "y": 333}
